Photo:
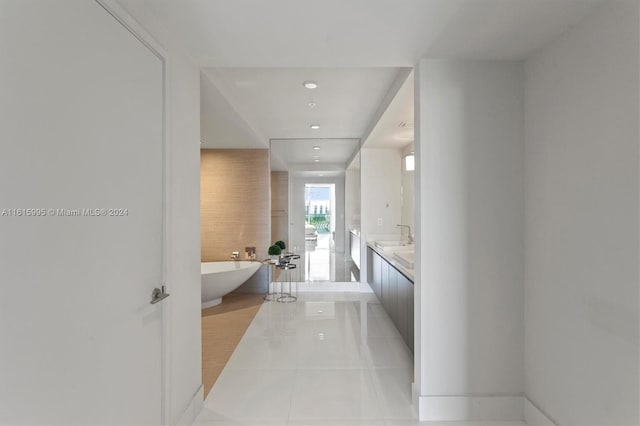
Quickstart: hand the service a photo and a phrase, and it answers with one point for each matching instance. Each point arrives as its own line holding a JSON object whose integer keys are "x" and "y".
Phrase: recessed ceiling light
{"x": 316, "y": 147}
{"x": 315, "y": 126}
{"x": 320, "y": 174}
{"x": 309, "y": 84}
{"x": 316, "y": 161}
{"x": 312, "y": 104}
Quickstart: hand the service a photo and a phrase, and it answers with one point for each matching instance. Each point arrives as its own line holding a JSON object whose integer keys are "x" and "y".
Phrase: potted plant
{"x": 280, "y": 244}
{"x": 275, "y": 251}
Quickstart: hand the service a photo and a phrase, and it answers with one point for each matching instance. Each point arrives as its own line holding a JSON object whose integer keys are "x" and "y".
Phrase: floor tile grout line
{"x": 295, "y": 382}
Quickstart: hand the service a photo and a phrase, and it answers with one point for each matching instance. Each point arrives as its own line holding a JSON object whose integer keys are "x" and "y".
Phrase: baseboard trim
{"x": 415, "y": 399}
{"x": 533, "y": 416}
{"x": 471, "y": 408}
{"x": 194, "y": 407}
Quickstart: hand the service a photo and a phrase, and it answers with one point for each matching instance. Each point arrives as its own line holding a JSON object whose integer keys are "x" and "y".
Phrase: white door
{"x": 81, "y": 144}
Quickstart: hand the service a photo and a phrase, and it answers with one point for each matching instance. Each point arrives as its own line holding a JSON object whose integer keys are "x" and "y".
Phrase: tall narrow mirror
{"x": 309, "y": 205}
{"x": 352, "y": 213}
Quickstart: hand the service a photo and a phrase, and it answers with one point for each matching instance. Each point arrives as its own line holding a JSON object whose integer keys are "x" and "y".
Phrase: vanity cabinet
{"x": 390, "y": 294}
{"x": 384, "y": 284}
{"x": 410, "y": 308}
{"x": 395, "y": 292}
{"x": 375, "y": 276}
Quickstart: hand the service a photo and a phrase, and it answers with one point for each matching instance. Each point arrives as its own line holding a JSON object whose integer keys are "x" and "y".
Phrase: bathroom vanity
{"x": 392, "y": 283}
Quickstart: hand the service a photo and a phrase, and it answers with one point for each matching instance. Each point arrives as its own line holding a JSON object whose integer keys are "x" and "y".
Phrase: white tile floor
{"x": 331, "y": 358}
{"x": 323, "y": 264}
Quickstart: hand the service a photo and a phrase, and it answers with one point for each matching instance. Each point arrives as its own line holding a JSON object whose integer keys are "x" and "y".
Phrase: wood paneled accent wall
{"x": 235, "y": 204}
{"x": 280, "y": 206}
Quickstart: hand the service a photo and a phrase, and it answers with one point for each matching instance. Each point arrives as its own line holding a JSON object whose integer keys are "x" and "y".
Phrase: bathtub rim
{"x": 224, "y": 268}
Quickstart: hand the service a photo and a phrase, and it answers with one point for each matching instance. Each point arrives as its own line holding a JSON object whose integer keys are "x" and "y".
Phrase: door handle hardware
{"x": 158, "y": 295}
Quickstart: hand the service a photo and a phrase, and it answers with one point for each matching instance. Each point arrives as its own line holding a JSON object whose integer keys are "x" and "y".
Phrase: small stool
{"x": 290, "y": 257}
{"x": 286, "y": 297}
{"x": 272, "y": 286}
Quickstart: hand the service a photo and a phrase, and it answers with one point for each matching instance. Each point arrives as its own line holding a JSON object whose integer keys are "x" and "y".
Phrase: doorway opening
{"x": 320, "y": 231}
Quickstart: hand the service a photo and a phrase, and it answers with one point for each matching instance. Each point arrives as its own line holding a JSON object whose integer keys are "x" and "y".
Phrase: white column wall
{"x": 469, "y": 226}
{"x": 185, "y": 391}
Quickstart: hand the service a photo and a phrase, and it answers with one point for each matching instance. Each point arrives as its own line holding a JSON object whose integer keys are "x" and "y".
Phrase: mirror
{"x": 352, "y": 211}
{"x": 408, "y": 185}
{"x": 308, "y": 204}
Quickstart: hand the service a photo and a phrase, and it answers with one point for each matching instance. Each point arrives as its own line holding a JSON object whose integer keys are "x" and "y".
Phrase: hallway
{"x": 522, "y": 120}
{"x": 332, "y": 358}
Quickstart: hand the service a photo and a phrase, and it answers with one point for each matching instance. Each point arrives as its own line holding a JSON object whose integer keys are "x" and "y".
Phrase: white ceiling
{"x": 276, "y": 105}
{"x": 355, "y": 33}
{"x": 257, "y": 53}
{"x": 299, "y": 154}
{"x": 248, "y": 107}
{"x": 394, "y": 129}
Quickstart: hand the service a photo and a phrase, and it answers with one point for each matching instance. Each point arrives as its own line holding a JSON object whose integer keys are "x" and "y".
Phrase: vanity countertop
{"x": 387, "y": 254}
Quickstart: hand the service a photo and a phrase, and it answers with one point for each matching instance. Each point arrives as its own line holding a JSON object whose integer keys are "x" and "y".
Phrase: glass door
{"x": 319, "y": 206}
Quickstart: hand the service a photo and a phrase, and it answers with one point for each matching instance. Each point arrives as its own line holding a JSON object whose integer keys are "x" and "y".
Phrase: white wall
{"x": 221, "y": 126}
{"x": 582, "y": 171}
{"x": 380, "y": 181}
{"x": 185, "y": 393}
{"x": 469, "y": 274}
{"x": 184, "y": 370}
{"x": 381, "y": 195}
{"x": 82, "y": 126}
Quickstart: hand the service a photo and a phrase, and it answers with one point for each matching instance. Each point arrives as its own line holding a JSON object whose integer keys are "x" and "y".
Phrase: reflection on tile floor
{"x": 329, "y": 359}
{"x": 324, "y": 264}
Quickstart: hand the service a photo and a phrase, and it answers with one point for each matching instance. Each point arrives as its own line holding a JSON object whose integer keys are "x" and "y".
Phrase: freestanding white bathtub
{"x": 221, "y": 278}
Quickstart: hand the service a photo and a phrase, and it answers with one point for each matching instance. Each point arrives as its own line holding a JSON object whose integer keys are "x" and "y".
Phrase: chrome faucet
{"x": 409, "y": 236}
{"x": 235, "y": 255}
{"x": 251, "y": 252}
